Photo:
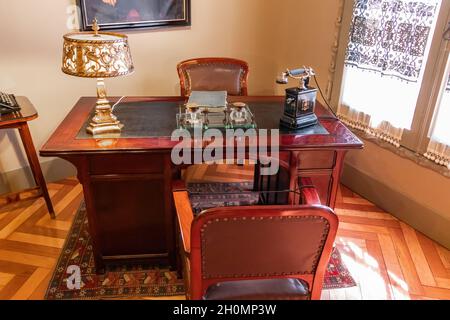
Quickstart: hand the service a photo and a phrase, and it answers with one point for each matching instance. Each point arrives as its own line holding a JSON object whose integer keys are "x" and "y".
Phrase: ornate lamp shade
{"x": 98, "y": 55}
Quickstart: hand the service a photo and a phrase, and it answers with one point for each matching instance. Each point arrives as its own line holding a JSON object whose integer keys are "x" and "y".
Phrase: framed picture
{"x": 134, "y": 14}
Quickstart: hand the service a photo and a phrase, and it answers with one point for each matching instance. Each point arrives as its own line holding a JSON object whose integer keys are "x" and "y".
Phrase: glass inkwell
{"x": 238, "y": 112}
{"x": 234, "y": 115}
{"x": 193, "y": 114}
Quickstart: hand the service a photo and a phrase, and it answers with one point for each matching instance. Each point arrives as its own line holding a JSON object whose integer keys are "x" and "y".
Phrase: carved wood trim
{"x": 334, "y": 50}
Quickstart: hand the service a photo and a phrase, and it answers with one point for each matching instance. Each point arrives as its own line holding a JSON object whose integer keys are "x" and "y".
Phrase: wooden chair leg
{"x": 35, "y": 166}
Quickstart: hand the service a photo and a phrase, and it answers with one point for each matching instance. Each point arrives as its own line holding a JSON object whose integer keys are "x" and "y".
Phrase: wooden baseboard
{"x": 21, "y": 195}
{"x": 417, "y": 215}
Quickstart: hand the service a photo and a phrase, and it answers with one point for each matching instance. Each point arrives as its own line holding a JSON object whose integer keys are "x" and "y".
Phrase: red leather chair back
{"x": 242, "y": 243}
{"x": 213, "y": 74}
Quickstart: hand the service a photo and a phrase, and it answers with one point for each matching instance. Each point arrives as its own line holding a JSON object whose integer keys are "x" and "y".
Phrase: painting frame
{"x": 86, "y": 15}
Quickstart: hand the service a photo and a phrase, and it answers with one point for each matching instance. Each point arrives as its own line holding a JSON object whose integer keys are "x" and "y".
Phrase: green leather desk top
{"x": 158, "y": 119}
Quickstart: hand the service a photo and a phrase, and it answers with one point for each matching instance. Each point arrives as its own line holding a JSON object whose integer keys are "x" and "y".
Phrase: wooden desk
{"x": 19, "y": 120}
{"x": 127, "y": 181}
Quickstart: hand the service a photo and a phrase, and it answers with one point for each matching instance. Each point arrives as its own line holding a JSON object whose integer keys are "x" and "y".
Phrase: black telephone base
{"x": 298, "y": 123}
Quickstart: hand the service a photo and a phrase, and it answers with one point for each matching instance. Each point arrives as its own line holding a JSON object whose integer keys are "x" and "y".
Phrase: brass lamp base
{"x": 104, "y": 129}
{"x": 104, "y": 122}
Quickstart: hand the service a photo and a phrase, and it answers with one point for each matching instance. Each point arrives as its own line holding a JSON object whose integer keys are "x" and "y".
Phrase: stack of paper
{"x": 209, "y": 99}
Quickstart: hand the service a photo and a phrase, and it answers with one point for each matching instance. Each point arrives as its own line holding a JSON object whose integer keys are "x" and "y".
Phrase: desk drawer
{"x": 321, "y": 159}
{"x": 127, "y": 163}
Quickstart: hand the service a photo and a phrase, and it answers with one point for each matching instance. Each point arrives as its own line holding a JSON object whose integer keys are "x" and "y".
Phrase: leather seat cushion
{"x": 265, "y": 289}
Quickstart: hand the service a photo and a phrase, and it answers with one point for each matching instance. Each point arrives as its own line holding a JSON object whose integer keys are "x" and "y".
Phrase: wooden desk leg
{"x": 35, "y": 165}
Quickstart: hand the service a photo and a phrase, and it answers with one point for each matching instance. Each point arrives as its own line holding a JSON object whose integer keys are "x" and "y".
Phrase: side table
{"x": 19, "y": 120}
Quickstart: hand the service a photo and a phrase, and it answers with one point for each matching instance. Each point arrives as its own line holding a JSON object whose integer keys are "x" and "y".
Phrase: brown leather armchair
{"x": 255, "y": 252}
{"x": 213, "y": 74}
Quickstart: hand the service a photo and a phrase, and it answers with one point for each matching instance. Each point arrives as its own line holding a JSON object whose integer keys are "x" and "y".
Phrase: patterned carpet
{"x": 337, "y": 275}
{"x": 136, "y": 281}
{"x": 120, "y": 282}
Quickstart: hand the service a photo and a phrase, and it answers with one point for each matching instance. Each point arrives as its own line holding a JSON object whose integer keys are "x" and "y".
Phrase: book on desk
{"x": 215, "y": 101}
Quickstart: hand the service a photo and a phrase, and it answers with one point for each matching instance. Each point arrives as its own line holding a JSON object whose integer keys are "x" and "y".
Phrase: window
{"x": 438, "y": 149}
{"x": 441, "y": 128}
{"x": 394, "y": 61}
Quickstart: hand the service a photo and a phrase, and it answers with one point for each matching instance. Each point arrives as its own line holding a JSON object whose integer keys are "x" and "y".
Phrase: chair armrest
{"x": 308, "y": 191}
{"x": 185, "y": 217}
{"x": 178, "y": 185}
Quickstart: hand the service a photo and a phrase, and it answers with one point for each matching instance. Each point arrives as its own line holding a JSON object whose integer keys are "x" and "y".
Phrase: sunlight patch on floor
{"x": 366, "y": 271}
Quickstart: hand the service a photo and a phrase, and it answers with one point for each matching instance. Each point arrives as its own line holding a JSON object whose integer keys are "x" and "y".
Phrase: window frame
{"x": 417, "y": 138}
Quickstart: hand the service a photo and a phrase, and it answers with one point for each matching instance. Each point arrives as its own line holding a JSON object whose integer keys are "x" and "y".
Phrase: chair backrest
{"x": 242, "y": 243}
{"x": 213, "y": 74}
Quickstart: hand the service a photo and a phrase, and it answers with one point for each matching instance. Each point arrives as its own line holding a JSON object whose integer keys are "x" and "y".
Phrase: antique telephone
{"x": 300, "y": 101}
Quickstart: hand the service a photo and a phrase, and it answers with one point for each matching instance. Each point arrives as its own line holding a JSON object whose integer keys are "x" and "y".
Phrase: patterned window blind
{"x": 390, "y": 37}
{"x": 384, "y": 63}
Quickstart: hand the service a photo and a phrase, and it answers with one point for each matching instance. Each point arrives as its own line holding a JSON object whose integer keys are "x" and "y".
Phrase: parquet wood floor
{"x": 387, "y": 258}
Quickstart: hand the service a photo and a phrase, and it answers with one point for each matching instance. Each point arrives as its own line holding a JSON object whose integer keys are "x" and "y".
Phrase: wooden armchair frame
{"x": 190, "y": 229}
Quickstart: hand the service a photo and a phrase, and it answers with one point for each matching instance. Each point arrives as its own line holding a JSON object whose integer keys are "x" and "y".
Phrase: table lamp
{"x": 98, "y": 55}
